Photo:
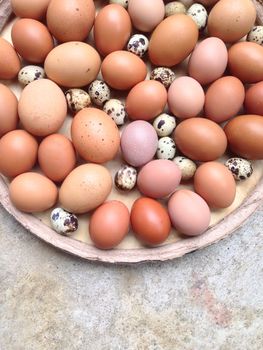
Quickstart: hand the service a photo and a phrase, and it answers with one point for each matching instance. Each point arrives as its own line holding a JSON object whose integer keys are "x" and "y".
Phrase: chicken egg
{"x": 8, "y": 110}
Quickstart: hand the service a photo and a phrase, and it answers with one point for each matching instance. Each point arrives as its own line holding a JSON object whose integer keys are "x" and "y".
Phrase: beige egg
{"x": 85, "y": 188}
{"x": 9, "y": 61}
{"x": 8, "y": 110}
{"x": 30, "y": 8}
{"x": 42, "y": 107}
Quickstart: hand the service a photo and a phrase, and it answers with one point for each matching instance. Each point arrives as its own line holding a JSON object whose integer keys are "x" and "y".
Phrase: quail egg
{"x": 30, "y": 73}
{"x": 138, "y": 44}
{"x": 166, "y": 148}
{"x": 187, "y": 167}
{"x": 241, "y": 168}
{"x": 126, "y": 178}
{"x": 164, "y": 75}
{"x": 99, "y": 92}
{"x": 256, "y": 35}
{"x": 63, "y": 222}
{"x": 199, "y": 14}
{"x": 164, "y": 124}
{"x": 123, "y": 3}
{"x": 116, "y": 110}
{"x": 77, "y": 99}
{"x": 174, "y": 7}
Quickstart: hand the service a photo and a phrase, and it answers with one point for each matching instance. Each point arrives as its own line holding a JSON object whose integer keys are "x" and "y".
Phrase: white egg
{"x": 138, "y": 44}
{"x": 164, "y": 124}
{"x": 241, "y": 168}
{"x": 199, "y": 14}
{"x": 116, "y": 110}
{"x": 256, "y": 35}
{"x": 77, "y": 99}
{"x": 30, "y": 73}
{"x": 174, "y": 7}
{"x": 187, "y": 167}
{"x": 166, "y": 148}
{"x": 99, "y": 92}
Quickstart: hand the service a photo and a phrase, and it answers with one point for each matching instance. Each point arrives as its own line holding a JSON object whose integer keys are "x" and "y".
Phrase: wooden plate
{"x": 229, "y": 220}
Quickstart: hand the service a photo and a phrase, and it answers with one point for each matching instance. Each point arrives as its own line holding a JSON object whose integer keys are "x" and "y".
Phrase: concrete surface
{"x": 210, "y": 299}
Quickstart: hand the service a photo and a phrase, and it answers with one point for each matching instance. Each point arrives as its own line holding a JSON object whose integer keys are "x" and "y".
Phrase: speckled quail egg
{"x": 116, "y": 110}
{"x": 164, "y": 124}
{"x": 164, "y": 75}
{"x": 166, "y": 148}
{"x": 126, "y": 178}
{"x": 256, "y": 35}
{"x": 63, "y": 222}
{"x": 99, "y": 92}
{"x": 199, "y": 14}
{"x": 77, "y": 99}
{"x": 187, "y": 167}
{"x": 174, "y": 7}
{"x": 241, "y": 168}
{"x": 30, "y": 73}
{"x": 123, "y": 3}
{"x": 138, "y": 44}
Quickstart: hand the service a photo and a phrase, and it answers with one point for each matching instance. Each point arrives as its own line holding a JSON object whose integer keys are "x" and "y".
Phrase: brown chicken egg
{"x": 173, "y": 40}
{"x": 8, "y": 110}
{"x": 71, "y": 20}
{"x": 112, "y": 29}
{"x": 200, "y": 139}
{"x": 9, "y": 61}
{"x": 73, "y": 64}
{"x": 31, "y": 40}
{"x": 254, "y": 99}
{"x": 30, "y": 8}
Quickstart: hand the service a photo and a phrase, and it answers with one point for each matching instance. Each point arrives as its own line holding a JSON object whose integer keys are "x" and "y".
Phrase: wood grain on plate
{"x": 165, "y": 252}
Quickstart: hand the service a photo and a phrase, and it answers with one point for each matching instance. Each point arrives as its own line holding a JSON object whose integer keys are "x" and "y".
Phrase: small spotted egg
{"x": 138, "y": 44}
{"x": 164, "y": 124}
{"x": 126, "y": 178}
{"x": 187, "y": 167}
{"x": 30, "y": 73}
{"x": 123, "y": 3}
{"x": 256, "y": 35}
{"x": 241, "y": 168}
{"x": 77, "y": 99}
{"x": 99, "y": 92}
{"x": 199, "y": 14}
{"x": 164, "y": 75}
{"x": 63, "y": 222}
{"x": 166, "y": 148}
{"x": 174, "y": 7}
{"x": 116, "y": 110}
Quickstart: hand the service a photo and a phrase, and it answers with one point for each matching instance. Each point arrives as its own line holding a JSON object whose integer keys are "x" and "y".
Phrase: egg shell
{"x": 18, "y": 153}
{"x": 30, "y": 73}
{"x": 73, "y": 64}
{"x": 254, "y": 99}
{"x": 147, "y": 14}
{"x": 185, "y": 97}
{"x": 173, "y": 40}
{"x": 200, "y": 139}
{"x": 32, "y": 192}
{"x": 85, "y": 188}
{"x": 70, "y": 21}
{"x": 112, "y": 29}
{"x": 166, "y": 148}
{"x": 99, "y": 92}
{"x": 123, "y": 3}
{"x": 240, "y": 168}
{"x": 56, "y": 157}
{"x": 245, "y": 136}
{"x": 189, "y": 213}
{"x": 215, "y": 184}
{"x": 8, "y": 110}
{"x": 122, "y": 70}
{"x": 77, "y": 99}
{"x": 139, "y": 143}
{"x": 164, "y": 124}
{"x": 174, "y": 7}
{"x": 187, "y": 167}
{"x": 116, "y": 110}
{"x": 256, "y": 35}
{"x": 42, "y": 107}
{"x": 109, "y": 224}
{"x": 95, "y": 135}
{"x": 230, "y": 20}
{"x": 224, "y": 98}
{"x": 63, "y": 222}
{"x": 199, "y": 14}
{"x": 125, "y": 178}
{"x": 245, "y": 61}
{"x": 146, "y": 100}
{"x": 31, "y": 40}
{"x": 164, "y": 75}
{"x": 208, "y": 61}
{"x": 138, "y": 44}
{"x": 30, "y": 8}
{"x": 158, "y": 178}
{"x": 9, "y": 61}
{"x": 150, "y": 221}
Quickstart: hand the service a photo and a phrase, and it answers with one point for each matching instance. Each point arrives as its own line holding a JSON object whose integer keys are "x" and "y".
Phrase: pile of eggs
{"x": 170, "y": 128}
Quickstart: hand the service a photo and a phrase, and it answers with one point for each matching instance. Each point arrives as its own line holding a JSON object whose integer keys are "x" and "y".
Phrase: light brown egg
{"x": 56, "y": 157}
{"x": 85, "y": 188}
{"x": 30, "y": 8}
{"x": 146, "y": 100}
{"x": 224, "y": 98}
{"x": 112, "y": 29}
{"x": 42, "y": 107}
{"x": 31, "y": 40}
{"x": 173, "y": 40}
{"x": 95, "y": 135}
{"x": 245, "y": 61}
{"x": 122, "y": 70}
{"x": 18, "y": 153}
{"x": 73, "y": 64}
{"x": 200, "y": 139}
{"x": 230, "y": 20}
{"x": 215, "y": 184}
{"x": 32, "y": 192}
{"x": 9, "y": 61}
{"x": 8, "y": 110}
{"x": 254, "y": 99}
{"x": 71, "y": 20}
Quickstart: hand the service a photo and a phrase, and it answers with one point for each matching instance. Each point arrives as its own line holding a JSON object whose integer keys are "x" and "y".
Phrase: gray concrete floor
{"x": 210, "y": 299}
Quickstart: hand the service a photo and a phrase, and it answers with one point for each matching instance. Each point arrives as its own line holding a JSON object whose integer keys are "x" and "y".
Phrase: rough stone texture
{"x": 210, "y": 299}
